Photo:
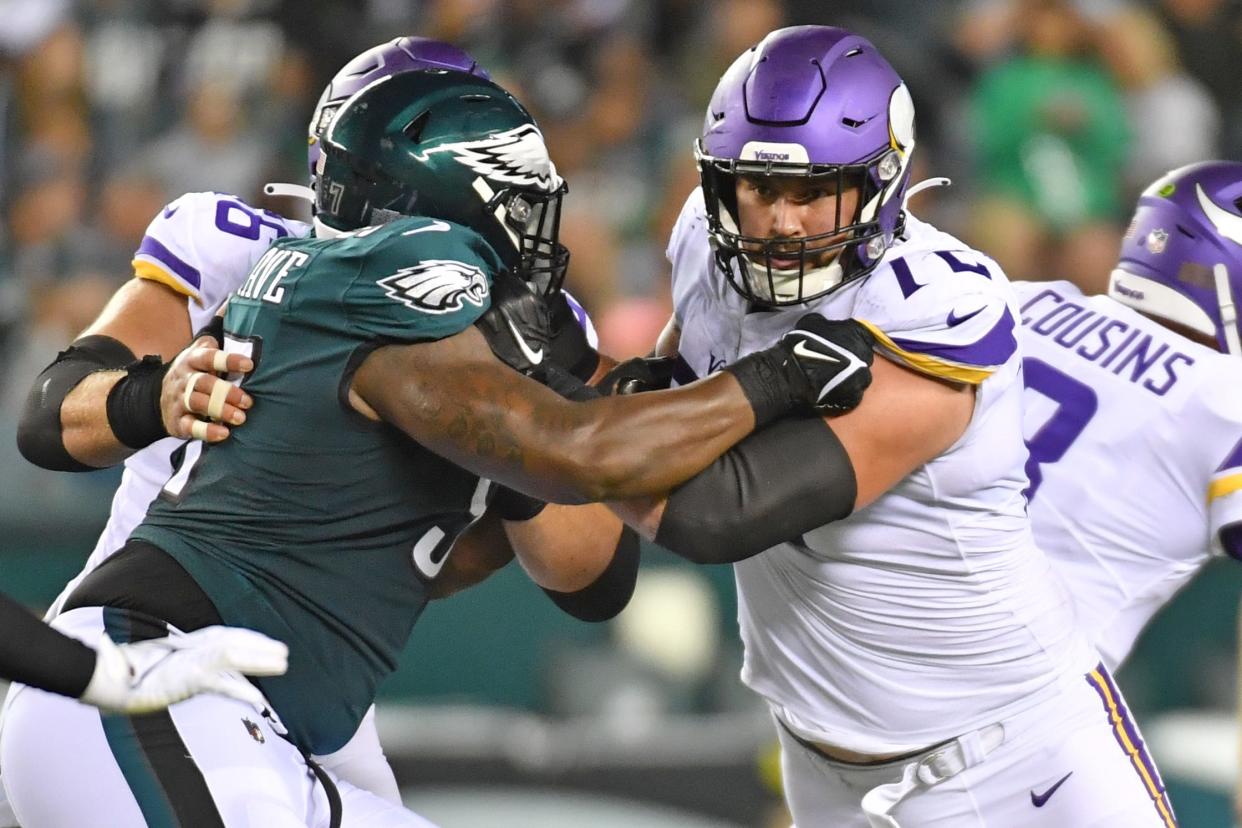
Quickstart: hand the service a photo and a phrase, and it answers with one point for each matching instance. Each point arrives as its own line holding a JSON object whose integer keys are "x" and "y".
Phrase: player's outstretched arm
{"x": 140, "y": 677}
{"x": 797, "y": 475}
{"x": 454, "y": 397}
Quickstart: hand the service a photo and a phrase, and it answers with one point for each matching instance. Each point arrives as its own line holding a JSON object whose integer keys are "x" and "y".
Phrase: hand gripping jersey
{"x": 1135, "y": 437}
{"x": 202, "y": 245}
{"x": 313, "y": 523}
{"x": 930, "y": 612}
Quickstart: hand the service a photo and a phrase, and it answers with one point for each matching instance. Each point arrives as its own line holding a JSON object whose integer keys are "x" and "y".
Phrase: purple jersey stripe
{"x": 1131, "y": 742}
{"x": 993, "y": 348}
{"x": 1234, "y": 459}
{"x": 152, "y": 247}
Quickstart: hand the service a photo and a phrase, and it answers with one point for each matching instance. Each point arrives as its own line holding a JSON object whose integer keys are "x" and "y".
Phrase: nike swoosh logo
{"x": 535, "y": 357}
{"x": 955, "y": 320}
{"x": 1038, "y": 800}
{"x": 436, "y": 226}
{"x": 800, "y": 349}
{"x": 170, "y": 209}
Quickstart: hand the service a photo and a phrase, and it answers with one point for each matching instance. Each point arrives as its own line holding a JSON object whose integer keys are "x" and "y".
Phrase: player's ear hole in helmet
{"x": 449, "y": 146}
{"x": 819, "y": 104}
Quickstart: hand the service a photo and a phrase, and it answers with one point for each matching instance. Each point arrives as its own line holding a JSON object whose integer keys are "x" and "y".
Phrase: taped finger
{"x": 220, "y": 362}
{"x": 215, "y": 405}
{"x": 199, "y": 430}
{"x": 189, "y": 389}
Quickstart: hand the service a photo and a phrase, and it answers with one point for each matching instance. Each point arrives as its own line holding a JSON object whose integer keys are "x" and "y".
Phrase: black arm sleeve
{"x": 772, "y": 487}
{"x": 39, "y": 437}
{"x": 33, "y": 653}
{"x": 608, "y": 594}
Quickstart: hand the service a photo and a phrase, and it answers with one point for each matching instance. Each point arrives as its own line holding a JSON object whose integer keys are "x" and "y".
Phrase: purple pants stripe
{"x": 1131, "y": 742}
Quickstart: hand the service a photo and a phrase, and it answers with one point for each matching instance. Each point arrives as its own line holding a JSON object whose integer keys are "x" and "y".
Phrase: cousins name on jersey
{"x": 1107, "y": 343}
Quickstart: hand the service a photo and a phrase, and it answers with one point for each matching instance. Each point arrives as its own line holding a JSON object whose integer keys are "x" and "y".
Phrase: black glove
{"x": 517, "y": 326}
{"x": 570, "y": 348}
{"x": 821, "y": 365}
{"x": 637, "y": 375}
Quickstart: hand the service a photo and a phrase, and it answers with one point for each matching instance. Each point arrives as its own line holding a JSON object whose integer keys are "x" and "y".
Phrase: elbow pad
{"x": 608, "y": 594}
{"x": 770, "y": 488}
{"x": 39, "y": 437}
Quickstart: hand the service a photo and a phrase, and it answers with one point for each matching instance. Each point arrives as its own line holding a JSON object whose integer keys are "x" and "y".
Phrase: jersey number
{"x": 192, "y": 450}
{"x": 433, "y": 548}
{"x": 251, "y": 223}
{"x": 1076, "y": 405}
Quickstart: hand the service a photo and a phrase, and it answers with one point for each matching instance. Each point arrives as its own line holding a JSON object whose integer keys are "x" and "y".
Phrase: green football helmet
{"x": 450, "y": 146}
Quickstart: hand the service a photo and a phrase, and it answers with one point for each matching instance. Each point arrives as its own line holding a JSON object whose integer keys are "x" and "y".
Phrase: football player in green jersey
{"x": 382, "y": 414}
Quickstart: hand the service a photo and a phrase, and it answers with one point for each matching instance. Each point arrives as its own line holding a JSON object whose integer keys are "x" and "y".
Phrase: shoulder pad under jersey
{"x": 204, "y": 244}
{"x": 947, "y": 313}
{"x": 416, "y": 278}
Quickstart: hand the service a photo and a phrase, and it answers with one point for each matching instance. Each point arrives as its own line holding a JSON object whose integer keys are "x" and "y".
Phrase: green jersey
{"x": 313, "y": 524}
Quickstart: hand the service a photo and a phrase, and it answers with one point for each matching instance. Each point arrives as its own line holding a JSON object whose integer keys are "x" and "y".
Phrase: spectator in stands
{"x": 1053, "y": 137}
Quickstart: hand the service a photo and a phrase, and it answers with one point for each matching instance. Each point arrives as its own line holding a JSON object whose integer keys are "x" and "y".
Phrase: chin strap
{"x": 925, "y": 184}
{"x": 1228, "y": 312}
{"x": 289, "y": 190}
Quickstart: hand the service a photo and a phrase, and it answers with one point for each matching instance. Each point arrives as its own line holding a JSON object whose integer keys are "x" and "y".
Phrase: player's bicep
{"x": 148, "y": 317}
{"x": 905, "y": 420}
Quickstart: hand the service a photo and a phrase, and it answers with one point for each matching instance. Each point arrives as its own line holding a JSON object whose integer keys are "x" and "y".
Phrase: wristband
{"x": 133, "y": 406}
{"x": 767, "y": 382}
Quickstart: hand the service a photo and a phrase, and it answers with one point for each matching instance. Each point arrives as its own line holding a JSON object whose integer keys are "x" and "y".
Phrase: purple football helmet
{"x": 816, "y": 102}
{"x": 405, "y": 54}
{"x": 1181, "y": 258}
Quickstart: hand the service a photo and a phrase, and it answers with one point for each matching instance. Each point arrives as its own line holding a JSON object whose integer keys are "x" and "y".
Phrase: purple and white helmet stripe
{"x": 1181, "y": 258}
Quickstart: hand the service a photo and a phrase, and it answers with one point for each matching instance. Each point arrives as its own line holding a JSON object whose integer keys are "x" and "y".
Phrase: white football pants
{"x": 1079, "y": 761}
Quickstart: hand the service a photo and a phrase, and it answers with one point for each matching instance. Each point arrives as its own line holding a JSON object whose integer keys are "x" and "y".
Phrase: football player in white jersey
{"x": 1114, "y": 386}
{"x": 919, "y": 656}
{"x": 98, "y": 404}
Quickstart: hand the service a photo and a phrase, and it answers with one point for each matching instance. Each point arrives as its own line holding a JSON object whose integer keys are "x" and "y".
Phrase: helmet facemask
{"x": 826, "y": 260}
{"x": 532, "y": 220}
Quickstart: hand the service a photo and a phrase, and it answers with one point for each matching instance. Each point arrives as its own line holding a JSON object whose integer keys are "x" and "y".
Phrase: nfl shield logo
{"x": 1156, "y": 241}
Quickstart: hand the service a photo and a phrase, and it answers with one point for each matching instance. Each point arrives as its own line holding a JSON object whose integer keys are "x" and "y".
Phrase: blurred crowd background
{"x": 1049, "y": 115}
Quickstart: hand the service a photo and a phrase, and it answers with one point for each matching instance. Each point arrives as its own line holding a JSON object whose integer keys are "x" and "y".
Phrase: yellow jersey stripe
{"x": 144, "y": 269}
{"x": 1222, "y": 486}
{"x": 1119, "y": 730}
{"x": 930, "y": 365}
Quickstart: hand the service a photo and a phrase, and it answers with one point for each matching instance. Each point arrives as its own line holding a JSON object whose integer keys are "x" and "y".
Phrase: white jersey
{"x": 930, "y": 612}
{"x": 1135, "y": 437}
{"x": 202, "y": 245}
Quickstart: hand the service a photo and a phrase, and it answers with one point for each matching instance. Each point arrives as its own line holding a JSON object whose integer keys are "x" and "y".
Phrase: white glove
{"x": 147, "y": 676}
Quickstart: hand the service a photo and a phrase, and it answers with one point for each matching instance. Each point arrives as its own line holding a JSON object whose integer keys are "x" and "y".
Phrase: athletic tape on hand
{"x": 198, "y": 430}
{"x": 189, "y": 388}
{"x": 220, "y": 362}
{"x": 215, "y": 405}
